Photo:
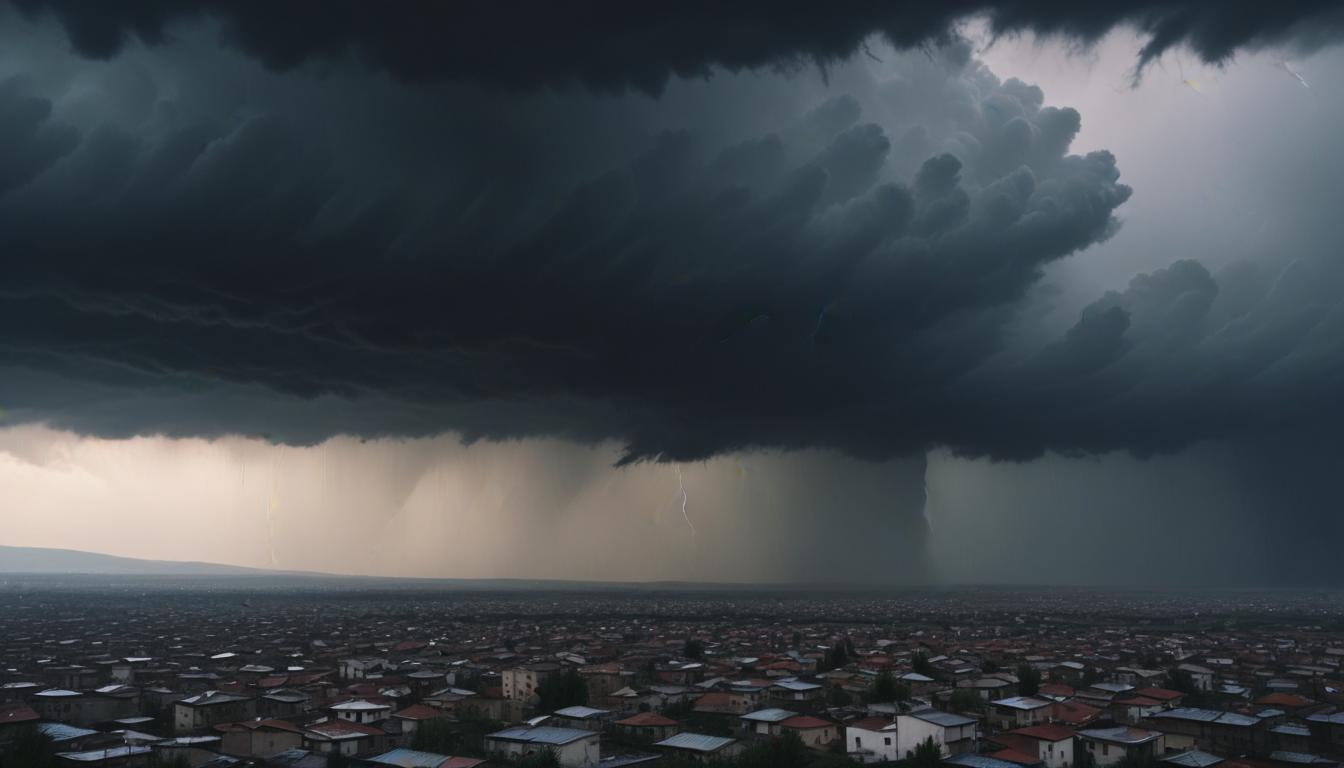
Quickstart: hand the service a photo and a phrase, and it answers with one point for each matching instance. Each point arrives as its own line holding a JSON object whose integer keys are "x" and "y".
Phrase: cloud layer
{"x": 198, "y": 246}
{"x": 615, "y": 45}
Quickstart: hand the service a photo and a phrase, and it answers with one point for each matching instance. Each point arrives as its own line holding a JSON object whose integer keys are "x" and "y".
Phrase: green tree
{"x": 30, "y": 748}
{"x": 1028, "y": 680}
{"x": 964, "y": 700}
{"x": 839, "y": 697}
{"x": 926, "y": 754}
{"x": 693, "y": 649}
{"x": 565, "y": 689}
{"x": 787, "y": 751}
{"x": 436, "y": 736}
{"x": 1135, "y": 760}
{"x": 337, "y": 760}
{"x": 545, "y": 758}
{"x": 884, "y": 688}
{"x": 920, "y": 663}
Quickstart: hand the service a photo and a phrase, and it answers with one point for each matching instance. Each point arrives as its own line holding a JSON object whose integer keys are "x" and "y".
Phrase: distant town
{"x": 230, "y": 671}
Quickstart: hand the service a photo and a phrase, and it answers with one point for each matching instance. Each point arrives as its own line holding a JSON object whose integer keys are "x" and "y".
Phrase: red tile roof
{"x": 1161, "y": 694}
{"x": 335, "y": 729}
{"x": 1013, "y": 756}
{"x": 252, "y": 725}
{"x": 804, "y": 722}
{"x": 1045, "y": 732}
{"x": 1290, "y": 700}
{"x": 17, "y": 713}
{"x": 870, "y": 723}
{"x": 651, "y": 719}
{"x": 418, "y": 712}
{"x": 1073, "y": 712}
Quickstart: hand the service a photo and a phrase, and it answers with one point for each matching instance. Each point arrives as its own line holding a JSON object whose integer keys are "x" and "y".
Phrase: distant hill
{"x": 62, "y": 561}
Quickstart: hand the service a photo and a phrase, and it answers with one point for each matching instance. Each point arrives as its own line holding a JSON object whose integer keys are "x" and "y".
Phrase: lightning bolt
{"x": 816, "y": 329}
{"x": 270, "y": 514}
{"x": 684, "y": 498}
{"x": 1289, "y": 69}
{"x": 928, "y": 521}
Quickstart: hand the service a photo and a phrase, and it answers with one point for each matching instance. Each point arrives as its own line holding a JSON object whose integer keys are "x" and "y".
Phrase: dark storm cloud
{"x": 619, "y": 44}
{"x": 388, "y": 260}
{"x": 818, "y": 286}
{"x": 1254, "y": 352}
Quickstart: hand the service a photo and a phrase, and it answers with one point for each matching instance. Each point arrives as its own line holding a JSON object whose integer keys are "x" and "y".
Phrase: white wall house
{"x": 1054, "y": 744}
{"x": 954, "y": 734}
{"x": 573, "y": 748}
{"x": 872, "y": 740}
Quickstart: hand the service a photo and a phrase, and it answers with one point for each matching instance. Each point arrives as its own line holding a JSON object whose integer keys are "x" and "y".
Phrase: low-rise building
{"x": 206, "y": 710}
{"x": 872, "y": 740}
{"x": 1108, "y": 746}
{"x": 700, "y": 747}
{"x": 573, "y": 747}
{"x": 1019, "y": 712}
{"x": 954, "y": 734}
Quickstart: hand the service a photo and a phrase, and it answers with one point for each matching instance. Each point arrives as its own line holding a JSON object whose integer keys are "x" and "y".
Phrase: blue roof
{"x": 1021, "y": 702}
{"x": 979, "y": 761}
{"x": 1301, "y": 758}
{"x": 696, "y": 742}
{"x": 63, "y": 732}
{"x": 621, "y": 761}
{"x": 1192, "y": 758}
{"x": 581, "y": 713}
{"x": 409, "y": 758}
{"x": 1206, "y": 716}
{"x": 945, "y": 719}
{"x": 544, "y": 734}
{"x": 769, "y": 715}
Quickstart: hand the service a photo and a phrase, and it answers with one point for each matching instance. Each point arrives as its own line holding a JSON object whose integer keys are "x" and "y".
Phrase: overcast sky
{"x": 999, "y": 293}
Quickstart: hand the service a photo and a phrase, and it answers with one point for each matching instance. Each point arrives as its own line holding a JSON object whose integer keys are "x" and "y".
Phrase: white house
{"x": 1108, "y": 746}
{"x": 764, "y": 722}
{"x": 700, "y": 747}
{"x": 360, "y": 711}
{"x": 1020, "y": 712}
{"x": 954, "y": 734}
{"x": 1051, "y": 744}
{"x": 1200, "y": 677}
{"x": 872, "y": 740}
{"x": 362, "y": 668}
{"x": 573, "y": 747}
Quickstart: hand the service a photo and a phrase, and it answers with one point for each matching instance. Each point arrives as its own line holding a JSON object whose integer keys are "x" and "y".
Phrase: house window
{"x": 1105, "y": 749}
{"x": 858, "y": 742}
{"x": 887, "y": 741}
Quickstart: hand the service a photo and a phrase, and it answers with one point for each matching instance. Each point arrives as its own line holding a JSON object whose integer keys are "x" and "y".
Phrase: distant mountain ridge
{"x": 35, "y": 560}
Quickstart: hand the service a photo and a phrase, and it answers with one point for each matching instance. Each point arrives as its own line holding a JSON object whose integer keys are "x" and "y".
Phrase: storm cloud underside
{"x": 340, "y": 232}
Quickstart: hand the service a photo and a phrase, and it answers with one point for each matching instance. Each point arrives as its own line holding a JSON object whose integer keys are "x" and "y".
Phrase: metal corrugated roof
{"x": 773, "y": 715}
{"x": 409, "y": 758}
{"x": 1021, "y": 702}
{"x": 63, "y": 732}
{"x": 1301, "y": 758}
{"x": 979, "y": 761}
{"x": 544, "y": 734}
{"x": 945, "y": 719}
{"x": 1198, "y": 715}
{"x": 1192, "y": 758}
{"x": 1121, "y": 734}
{"x": 100, "y": 755}
{"x": 581, "y": 712}
{"x": 696, "y": 742}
